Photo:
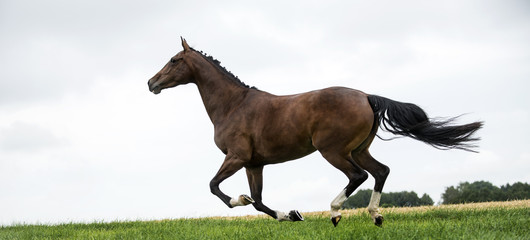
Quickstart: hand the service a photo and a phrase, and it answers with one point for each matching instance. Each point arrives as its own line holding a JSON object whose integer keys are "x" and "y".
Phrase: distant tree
{"x": 482, "y": 191}
{"x": 401, "y": 199}
{"x": 479, "y": 191}
{"x": 451, "y": 196}
{"x": 517, "y": 191}
{"x": 393, "y": 199}
{"x": 426, "y": 200}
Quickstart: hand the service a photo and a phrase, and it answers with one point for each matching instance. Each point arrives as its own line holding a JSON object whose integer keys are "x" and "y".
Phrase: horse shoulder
{"x": 234, "y": 133}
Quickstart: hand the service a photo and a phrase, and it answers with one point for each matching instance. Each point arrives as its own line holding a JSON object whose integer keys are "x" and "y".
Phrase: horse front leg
{"x": 255, "y": 181}
{"x": 230, "y": 166}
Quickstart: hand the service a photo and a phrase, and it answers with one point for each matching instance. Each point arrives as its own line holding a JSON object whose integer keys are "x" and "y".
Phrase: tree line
{"x": 465, "y": 192}
{"x": 482, "y": 191}
{"x": 392, "y": 199}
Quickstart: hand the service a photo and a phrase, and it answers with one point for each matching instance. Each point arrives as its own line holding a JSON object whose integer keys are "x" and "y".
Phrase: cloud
{"x": 28, "y": 137}
{"x": 54, "y": 48}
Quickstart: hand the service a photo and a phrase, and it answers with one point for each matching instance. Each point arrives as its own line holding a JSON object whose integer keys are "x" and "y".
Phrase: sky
{"x": 82, "y": 139}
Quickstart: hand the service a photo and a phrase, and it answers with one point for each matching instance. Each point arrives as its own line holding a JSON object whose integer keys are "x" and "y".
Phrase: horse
{"x": 254, "y": 128}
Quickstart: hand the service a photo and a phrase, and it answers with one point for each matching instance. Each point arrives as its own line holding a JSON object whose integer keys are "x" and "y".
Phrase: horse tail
{"x": 409, "y": 120}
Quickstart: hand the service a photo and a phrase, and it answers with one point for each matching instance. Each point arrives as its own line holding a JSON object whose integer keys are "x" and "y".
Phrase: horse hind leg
{"x": 356, "y": 176}
{"x": 255, "y": 181}
{"x": 380, "y": 172}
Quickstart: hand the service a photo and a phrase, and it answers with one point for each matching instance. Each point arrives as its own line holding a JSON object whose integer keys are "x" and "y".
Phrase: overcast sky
{"x": 82, "y": 138}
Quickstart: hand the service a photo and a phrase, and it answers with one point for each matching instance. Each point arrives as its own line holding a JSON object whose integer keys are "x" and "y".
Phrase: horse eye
{"x": 172, "y": 60}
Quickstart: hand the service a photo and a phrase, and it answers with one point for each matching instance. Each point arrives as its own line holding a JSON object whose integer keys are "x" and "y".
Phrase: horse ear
{"x": 185, "y": 44}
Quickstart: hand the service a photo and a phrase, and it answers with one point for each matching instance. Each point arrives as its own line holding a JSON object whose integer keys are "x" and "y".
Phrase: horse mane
{"x": 217, "y": 64}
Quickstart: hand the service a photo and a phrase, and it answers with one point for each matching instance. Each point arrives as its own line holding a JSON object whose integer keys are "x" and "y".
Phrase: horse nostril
{"x": 150, "y": 83}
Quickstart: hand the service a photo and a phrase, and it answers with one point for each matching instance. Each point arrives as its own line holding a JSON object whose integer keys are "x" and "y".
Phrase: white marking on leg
{"x": 373, "y": 207}
{"x": 235, "y": 202}
{"x": 242, "y": 200}
{"x": 374, "y": 201}
{"x": 336, "y": 204}
{"x": 281, "y": 216}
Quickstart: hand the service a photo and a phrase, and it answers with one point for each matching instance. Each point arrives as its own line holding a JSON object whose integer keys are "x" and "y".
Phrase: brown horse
{"x": 254, "y": 128}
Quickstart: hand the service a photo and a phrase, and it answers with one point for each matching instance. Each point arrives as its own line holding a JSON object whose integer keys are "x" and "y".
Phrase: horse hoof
{"x": 246, "y": 200}
{"x": 295, "y": 216}
{"x": 379, "y": 221}
{"x": 335, "y": 220}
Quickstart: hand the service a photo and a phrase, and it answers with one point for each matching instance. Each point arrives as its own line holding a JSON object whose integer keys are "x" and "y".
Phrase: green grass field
{"x": 498, "y": 220}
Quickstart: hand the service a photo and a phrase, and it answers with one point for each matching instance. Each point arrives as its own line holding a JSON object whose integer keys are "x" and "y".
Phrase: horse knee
{"x": 214, "y": 186}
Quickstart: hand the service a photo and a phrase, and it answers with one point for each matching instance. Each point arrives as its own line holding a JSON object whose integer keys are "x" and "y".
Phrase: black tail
{"x": 409, "y": 120}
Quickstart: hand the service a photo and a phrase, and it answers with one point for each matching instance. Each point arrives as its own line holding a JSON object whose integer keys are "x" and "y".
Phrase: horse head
{"x": 176, "y": 72}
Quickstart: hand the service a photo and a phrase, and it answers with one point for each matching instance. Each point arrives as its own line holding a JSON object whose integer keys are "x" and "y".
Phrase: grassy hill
{"x": 494, "y": 220}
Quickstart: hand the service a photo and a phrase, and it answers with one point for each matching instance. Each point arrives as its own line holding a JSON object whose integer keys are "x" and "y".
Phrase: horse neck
{"x": 219, "y": 93}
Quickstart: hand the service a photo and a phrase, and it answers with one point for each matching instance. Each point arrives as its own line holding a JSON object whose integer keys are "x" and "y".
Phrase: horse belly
{"x": 283, "y": 143}
{"x": 282, "y": 151}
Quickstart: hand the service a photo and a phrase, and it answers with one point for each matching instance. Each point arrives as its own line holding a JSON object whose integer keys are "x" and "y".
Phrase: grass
{"x": 496, "y": 220}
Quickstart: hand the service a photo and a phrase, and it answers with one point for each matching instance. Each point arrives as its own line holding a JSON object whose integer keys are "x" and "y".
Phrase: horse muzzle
{"x": 154, "y": 87}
